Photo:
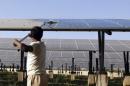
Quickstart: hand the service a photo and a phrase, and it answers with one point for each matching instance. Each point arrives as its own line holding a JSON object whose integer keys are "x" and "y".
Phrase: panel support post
{"x": 72, "y": 67}
{"x": 101, "y": 39}
{"x": 91, "y": 75}
{"x": 51, "y": 70}
{"x": 97, "y": 69}
{"x": 111, "y": 73}
{"x": 90, "y": 61}
{"x": 21, "y": 73}
{"x": 102, "y": 79}
{"x": 72, "y": 70}
{"x": 126, "y": 81}
{"x": 22, "y": 57}
{"x": 126, "y": 62}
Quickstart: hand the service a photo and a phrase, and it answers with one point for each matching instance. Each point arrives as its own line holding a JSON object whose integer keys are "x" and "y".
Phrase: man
{"x": 36, "y": 73}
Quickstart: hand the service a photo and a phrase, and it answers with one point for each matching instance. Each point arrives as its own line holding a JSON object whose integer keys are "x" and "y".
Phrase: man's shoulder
{"x": 37, "y": 43}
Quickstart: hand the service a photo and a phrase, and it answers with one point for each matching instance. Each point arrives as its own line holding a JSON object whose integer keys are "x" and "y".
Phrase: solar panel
{"x": 90, "y": 25}
{"x": 71, "y": 43}
{"x": 66, "y": 24}
{"x": 18, "y": 24}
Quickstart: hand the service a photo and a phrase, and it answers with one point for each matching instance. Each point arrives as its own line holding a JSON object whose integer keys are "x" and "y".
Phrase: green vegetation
{"x": 115, "y": 82}
{"x": 62, "y": 80}
{"x": 8, "y": 78}
{"x": 11, "y": 79}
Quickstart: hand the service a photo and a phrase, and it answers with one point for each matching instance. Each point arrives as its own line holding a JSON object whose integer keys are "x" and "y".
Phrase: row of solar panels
{"x": 62, "y": 57}
{"x": 68, "y": 52}
{"x": 75, "y": 45}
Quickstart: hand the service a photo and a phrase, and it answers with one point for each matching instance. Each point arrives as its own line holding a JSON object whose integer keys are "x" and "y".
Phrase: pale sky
{"x": 65, "y": 9}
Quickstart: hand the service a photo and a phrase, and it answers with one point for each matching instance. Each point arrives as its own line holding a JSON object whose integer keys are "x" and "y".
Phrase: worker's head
{"x": 36, "y": 33}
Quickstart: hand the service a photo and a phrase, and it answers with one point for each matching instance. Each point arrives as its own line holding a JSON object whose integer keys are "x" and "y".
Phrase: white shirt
{"x": 36, "y": 58}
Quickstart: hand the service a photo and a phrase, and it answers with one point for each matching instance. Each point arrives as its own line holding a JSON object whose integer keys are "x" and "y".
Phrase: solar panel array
{"x": 61, "y": 51}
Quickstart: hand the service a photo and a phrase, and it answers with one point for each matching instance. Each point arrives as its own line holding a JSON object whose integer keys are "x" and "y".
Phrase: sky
{"x": 65, "y": 9}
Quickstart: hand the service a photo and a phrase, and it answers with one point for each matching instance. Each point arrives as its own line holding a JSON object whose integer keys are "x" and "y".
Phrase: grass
{"x": 10, "y": 79}
{"x": 62, "y": 80}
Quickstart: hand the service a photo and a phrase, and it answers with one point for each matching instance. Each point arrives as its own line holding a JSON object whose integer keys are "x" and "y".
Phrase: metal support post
{"x": 90, "y": 61}
{"x": 97, "y": 69}
{"x": 72, "y": 67}
{"x": 112, "y": 67}
{"x": 62, "y": 70}
{"x": 25, "y": 61}
{"x": 66, "y": 67}
{"x": 126, "y": 61}
{"x": 101, "y": 38}
{"x": 22, "y": 57}
{"x": 51, "y": 65}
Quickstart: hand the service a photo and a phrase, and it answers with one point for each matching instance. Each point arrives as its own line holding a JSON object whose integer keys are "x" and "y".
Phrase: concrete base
{"x": 102, "y": 80}
{"x": 51, "y": 74}
{"x": 20, "y": 76}
{"x": 72, "y": 76}
{"x": 91, "y": 80}
{"x": 111, "y": 75}
{"x": 126, "y": 81}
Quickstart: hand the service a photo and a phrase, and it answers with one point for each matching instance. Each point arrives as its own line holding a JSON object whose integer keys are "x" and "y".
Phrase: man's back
{"x": 36, "y": 58}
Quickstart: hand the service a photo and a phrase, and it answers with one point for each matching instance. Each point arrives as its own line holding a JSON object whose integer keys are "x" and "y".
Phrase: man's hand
{"x": 17, "y": 43}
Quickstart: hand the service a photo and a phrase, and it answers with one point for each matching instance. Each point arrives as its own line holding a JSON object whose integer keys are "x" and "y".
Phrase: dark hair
{"x": 36, "y": 33}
